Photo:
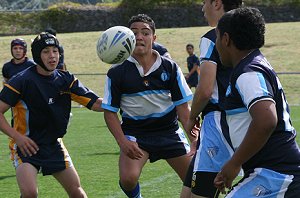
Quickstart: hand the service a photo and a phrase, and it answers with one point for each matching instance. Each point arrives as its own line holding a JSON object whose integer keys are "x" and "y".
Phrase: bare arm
{"x": 203, "y": 91}
{"x": 26, "y": 145}
{"x": 264, "y": 121}
{"x": 130, "y": 148}
{"x": 194, "y": 69}
{"x": 97, "y": 105}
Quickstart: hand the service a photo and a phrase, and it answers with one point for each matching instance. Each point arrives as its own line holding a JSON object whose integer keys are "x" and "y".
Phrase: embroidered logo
{"x": 228, "y": 91}
{"x": 50, "y": 101}
{"x": 146, "y": 83}
{"x": 164, "y": 76}
{"x": 261, "y": 190}
{"x": 212, "y": 151}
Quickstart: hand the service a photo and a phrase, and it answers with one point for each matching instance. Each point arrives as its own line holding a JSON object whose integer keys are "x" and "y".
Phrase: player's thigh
{"x": 68, "y": 178}
{"x": 180, "y": 165}
{"x": 26, "y": 177}
{"x": 131, "y": 168}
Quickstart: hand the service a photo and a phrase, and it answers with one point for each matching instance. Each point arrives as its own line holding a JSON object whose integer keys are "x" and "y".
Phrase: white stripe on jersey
{"x": 238, "y": 126}
{"x": 257, "y": 89}
{"x": 147, "y": 104}
{"x": 206, "y": 48}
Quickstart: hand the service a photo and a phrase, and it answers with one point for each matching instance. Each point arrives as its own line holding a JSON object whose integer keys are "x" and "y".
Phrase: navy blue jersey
{"x": 147, "y": 101}
{"x": 159, "y": 48}
{"x": 191, "y": 61}
{"x": 208, "y": 52}
{"x": 42, "y": 104}
{"x": 10, "y": 69}
{"x": 253, "y": 80}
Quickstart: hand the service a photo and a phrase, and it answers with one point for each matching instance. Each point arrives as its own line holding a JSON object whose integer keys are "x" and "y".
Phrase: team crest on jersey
{"x": 213, "y": 151}
{"x": 228, "y": 91}
{"x": 146, "y": 83}
{"x": 165, "y": 76}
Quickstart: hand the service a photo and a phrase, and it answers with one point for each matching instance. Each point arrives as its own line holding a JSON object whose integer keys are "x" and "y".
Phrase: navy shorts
{"x": 163, "y": 146}
{"x": 49, "y": 159}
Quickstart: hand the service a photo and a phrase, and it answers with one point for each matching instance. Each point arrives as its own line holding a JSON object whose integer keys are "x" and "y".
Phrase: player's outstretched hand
{"x": 26, "y": 145}
{"x": 132, "y": 150}
{"x": 226, "y": 176}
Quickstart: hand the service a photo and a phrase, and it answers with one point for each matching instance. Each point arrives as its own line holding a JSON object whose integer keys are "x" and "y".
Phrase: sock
{"x": 135, "y": 193}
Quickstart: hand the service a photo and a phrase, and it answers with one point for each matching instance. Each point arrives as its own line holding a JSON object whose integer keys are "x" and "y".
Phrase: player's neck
{"x": 19, "y": 61}
{"x": 146, "y": 61}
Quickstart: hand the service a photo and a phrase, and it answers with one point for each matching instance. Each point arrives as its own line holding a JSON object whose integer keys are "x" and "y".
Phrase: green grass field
{"x": 95, "y": 155}
{"x": 92, "y": 147}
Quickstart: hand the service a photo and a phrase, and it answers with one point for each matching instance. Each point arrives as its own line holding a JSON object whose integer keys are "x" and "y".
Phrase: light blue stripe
{"x": 109, "y": 97}
{"x": 153, "y": 115}
{"x": 210, "y": 50}
{"x": 236, "y": 111}
{"x": 110, "y": 108}
{"x": 186, "y": 99}
{"x": 148, "y": 92}
{"x": 180, "y": 84}
{"x": 214, "y": 101}
{"x": 262, "y": 84}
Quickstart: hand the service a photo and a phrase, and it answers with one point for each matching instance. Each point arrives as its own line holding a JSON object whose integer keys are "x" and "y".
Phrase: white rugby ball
{"x": 115, "y": 44}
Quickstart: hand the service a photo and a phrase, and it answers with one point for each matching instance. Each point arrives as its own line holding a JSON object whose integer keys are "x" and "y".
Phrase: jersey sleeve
{"x": 81, "y": 94}
{"x": 207, "y": 51}
{"x": 112, "y": 92}
{"x": 180, "y": 90}
{"x": 253, "y": 87}
{"x": 11, "y": 92}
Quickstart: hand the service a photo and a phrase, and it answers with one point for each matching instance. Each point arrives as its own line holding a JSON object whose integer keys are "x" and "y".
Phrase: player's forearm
{"x": 113, "y": 124}
{"x": 6, "y": 128}
{"x": 200, "y": 100}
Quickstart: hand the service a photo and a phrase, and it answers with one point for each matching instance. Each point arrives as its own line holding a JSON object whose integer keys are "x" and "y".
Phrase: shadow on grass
{"x": 115, "y": 153}
{"x": 6, "y": 176}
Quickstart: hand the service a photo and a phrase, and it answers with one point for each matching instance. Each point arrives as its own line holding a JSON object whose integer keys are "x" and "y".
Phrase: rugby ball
{"x": 115, "y": 44}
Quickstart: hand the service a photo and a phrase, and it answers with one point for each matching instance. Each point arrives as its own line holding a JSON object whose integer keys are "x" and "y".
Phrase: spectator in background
{"x": 193, "y": 65}
{"x": 61, "y": 64}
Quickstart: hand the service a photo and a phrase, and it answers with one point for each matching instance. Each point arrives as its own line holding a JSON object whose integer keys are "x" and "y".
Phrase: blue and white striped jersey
{"x": 147, "y": 102}
{"x": 253, "y": 80}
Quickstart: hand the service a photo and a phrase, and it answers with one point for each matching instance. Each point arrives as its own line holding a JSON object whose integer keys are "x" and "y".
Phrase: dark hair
{"x": 142, "y": 18}
{"x": 190, "y": 45}
{"x": 231, "y": 4}
{"x": 51, "y": 31}
{"x": 245, "y": 26}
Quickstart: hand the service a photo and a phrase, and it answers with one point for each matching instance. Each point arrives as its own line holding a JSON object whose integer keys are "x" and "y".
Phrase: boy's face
{"x": 18, "y": 52}
{"x": 50, "y": 57}
{"x": 222, "y": 49}
{"x": 144, "y": 37}
{"x": 190, "y": 50}
{"x": 209, "y": 12}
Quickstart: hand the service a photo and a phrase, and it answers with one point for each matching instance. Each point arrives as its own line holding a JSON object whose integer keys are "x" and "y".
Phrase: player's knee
{"x": 77, "y": 192}
{"x": 29, "y": 193}
{"x": 128, "y": 182}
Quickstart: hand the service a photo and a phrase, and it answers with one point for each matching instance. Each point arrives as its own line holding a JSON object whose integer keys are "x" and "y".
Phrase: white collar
{"x": 140, "y": 68}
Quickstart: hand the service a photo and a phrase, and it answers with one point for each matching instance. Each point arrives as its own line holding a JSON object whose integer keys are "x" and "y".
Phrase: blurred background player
{"x": 41, "y": 96}
{"x": 61, "y": 64}
{"x": 258, "y": 115}
{"x": 152, "y": 95}
{"x": 215, "y": 145}
{"x": 162, "y": 50}
{"x": 19, "y": 62}
{"x": 193, "y": 65}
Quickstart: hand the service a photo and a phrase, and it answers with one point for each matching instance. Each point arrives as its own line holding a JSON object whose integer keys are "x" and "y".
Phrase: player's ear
{"x": 226, "y": 39}
{"x": 154, "y": 37}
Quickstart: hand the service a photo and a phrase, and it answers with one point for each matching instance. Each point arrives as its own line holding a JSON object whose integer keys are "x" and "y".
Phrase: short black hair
{"x": 231, "y": 4}
{"x": 190, "y": 45}
{"x": 245, "y": 26}
{"x": 142, "y": 18}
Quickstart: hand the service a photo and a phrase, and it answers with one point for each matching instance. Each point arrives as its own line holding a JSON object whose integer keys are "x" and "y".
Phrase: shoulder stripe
{"x": 10, "y": 87}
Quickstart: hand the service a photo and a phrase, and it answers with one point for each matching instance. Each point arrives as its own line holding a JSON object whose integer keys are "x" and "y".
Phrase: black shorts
{"x": 163, "y": 146}
{"x": 49, "y": 159}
